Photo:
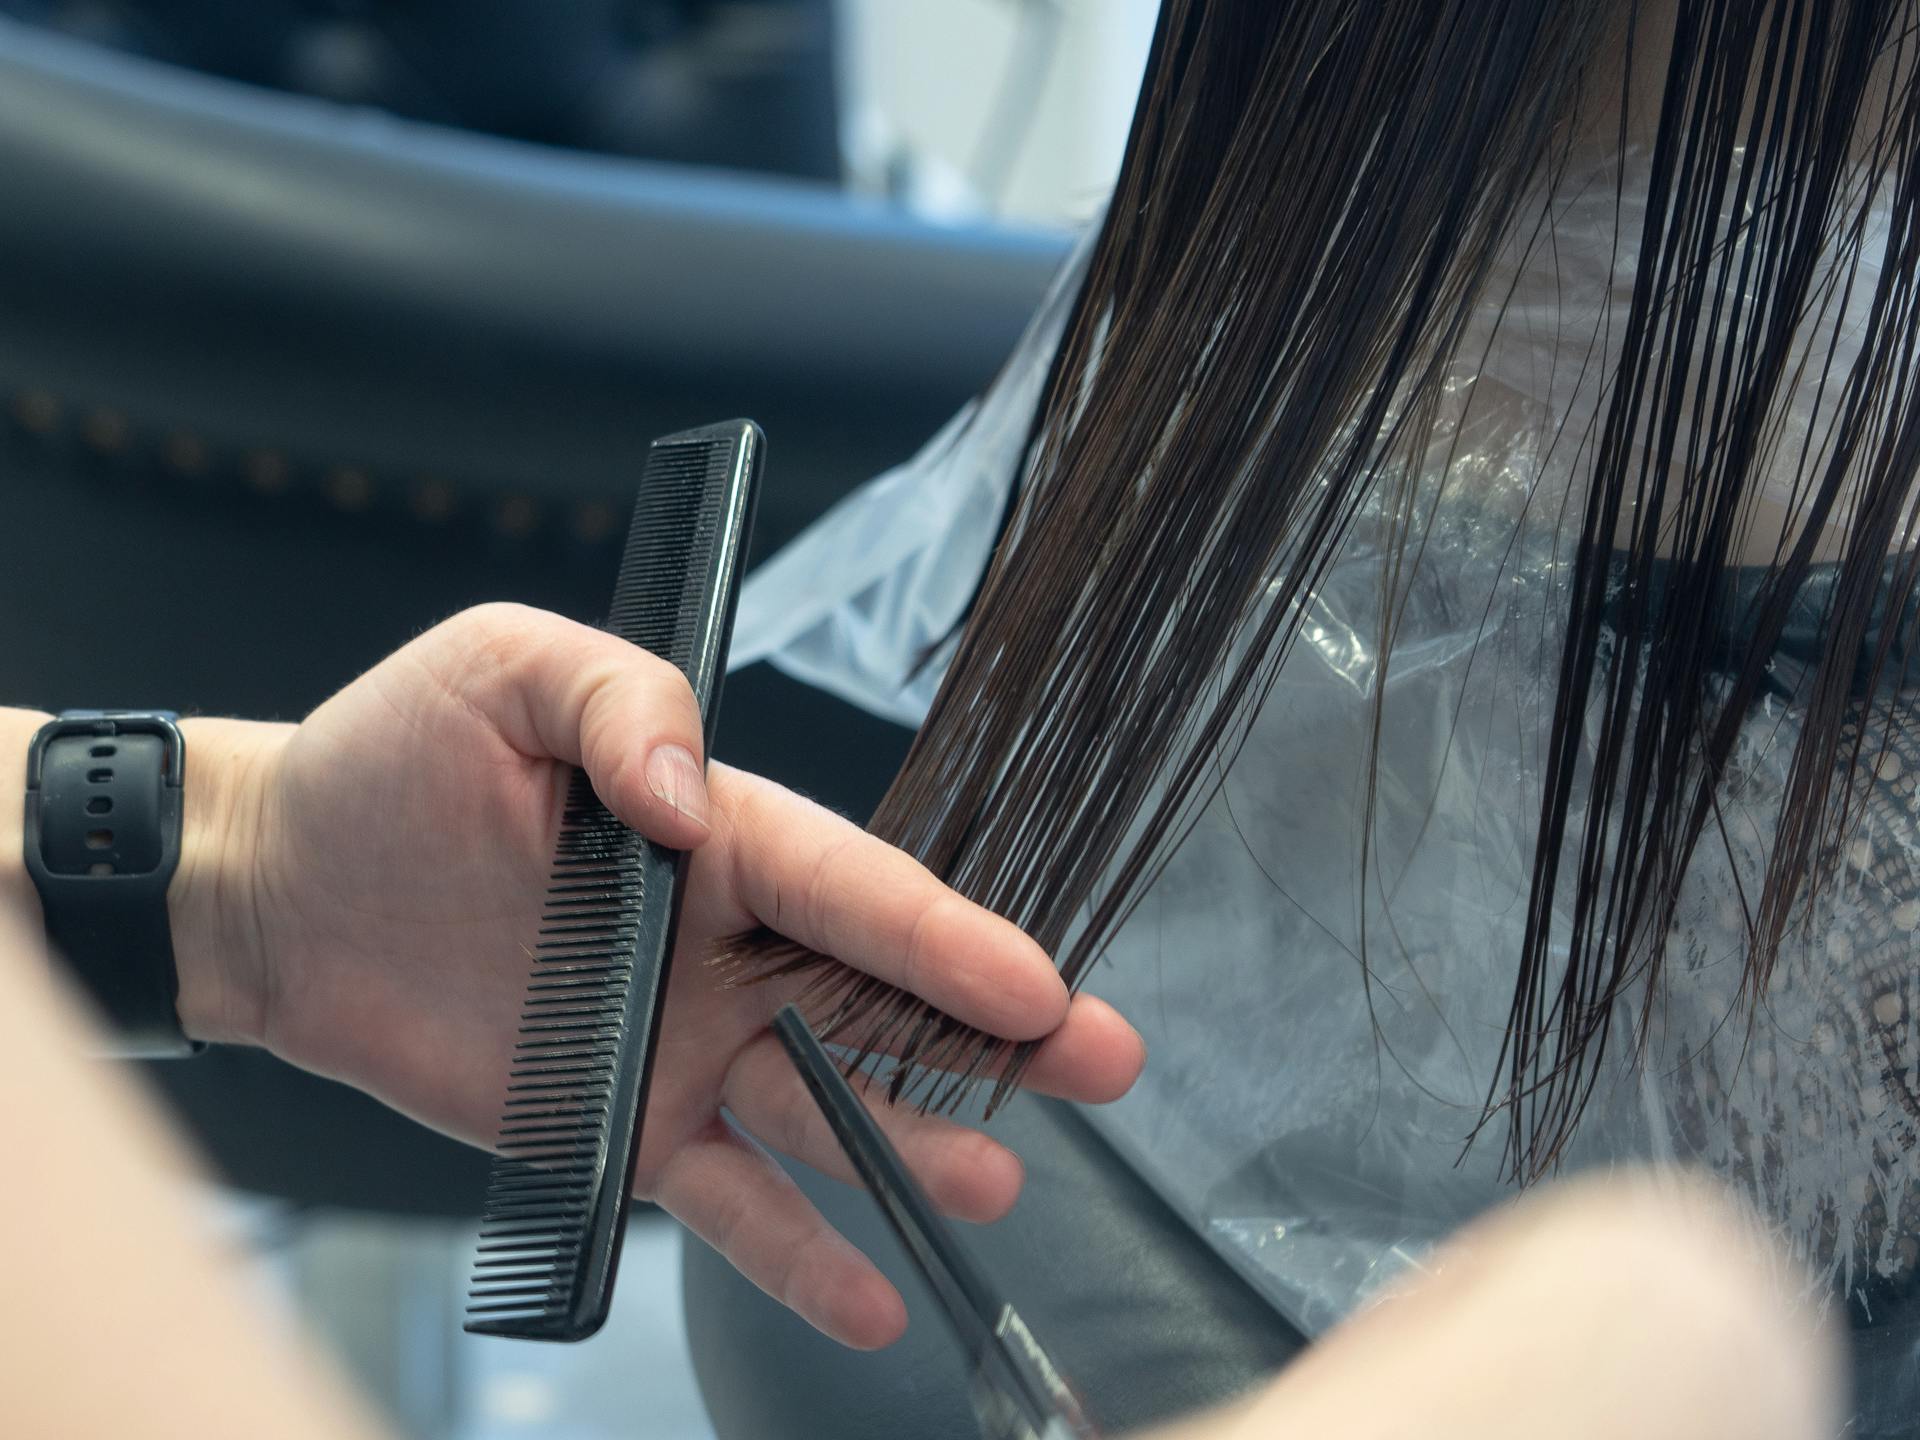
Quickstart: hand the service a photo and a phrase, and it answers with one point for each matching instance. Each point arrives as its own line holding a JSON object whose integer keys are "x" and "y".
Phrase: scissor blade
{"x": 969, "y": 1301}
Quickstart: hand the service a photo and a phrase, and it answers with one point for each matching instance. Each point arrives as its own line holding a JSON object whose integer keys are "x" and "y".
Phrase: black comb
{"x": 558, "y": 1192}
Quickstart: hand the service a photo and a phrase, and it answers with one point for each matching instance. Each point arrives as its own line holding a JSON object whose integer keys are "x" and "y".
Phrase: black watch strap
{"x": 104, "y": 809}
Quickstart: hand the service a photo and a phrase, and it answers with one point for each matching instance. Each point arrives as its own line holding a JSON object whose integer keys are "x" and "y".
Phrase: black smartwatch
{"x": 104, "y": 792}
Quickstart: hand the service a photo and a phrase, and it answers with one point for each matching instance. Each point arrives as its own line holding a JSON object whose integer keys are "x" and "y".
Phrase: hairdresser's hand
{"x": 1592, "y": 1310}
{"x": 397, "y": 850}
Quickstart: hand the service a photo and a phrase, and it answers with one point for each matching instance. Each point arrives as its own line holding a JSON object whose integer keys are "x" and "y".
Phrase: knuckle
{"x": 659, "y": 670}
{"x": 495, "y": 638}
{"x": 809, "y": 1255}
{"x": 792, "y": 1125}
{"x": 916, "y": 963}
{"x": 818, "y": 908}
{"x": 667, "y": 687}
{"x": 757, "y": 882}
{"x": 494, "y": 620}
{"x": 730, "y": 1213}
{"x": 634, "y": 680}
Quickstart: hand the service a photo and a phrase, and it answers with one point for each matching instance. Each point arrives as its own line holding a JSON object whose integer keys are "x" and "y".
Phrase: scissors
{"x": 1017, "y": 1392}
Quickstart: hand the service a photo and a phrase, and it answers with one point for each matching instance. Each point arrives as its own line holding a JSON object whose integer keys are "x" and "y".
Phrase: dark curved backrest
{"x": 275, "y": 276}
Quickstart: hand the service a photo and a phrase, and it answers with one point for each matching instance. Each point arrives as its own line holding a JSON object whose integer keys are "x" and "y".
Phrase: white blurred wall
{"x": 924, "y": 80}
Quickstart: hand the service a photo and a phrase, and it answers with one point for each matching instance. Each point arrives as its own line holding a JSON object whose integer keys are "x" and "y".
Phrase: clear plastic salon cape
{"x": 1311, "y": 1118}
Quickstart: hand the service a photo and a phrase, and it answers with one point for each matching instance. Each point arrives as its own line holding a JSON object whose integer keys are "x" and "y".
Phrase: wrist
{"x": 214, "y": 903}
{"x": 213, "y": 906}
{"x": 17, "y": 894}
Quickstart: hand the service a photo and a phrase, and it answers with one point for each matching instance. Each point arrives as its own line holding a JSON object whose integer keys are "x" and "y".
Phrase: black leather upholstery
{"x": 271, "y": 276}
{"x": 1142, "y": 1316}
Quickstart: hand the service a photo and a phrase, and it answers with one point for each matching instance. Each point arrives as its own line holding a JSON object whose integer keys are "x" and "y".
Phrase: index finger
{"x": 819, "y": 879}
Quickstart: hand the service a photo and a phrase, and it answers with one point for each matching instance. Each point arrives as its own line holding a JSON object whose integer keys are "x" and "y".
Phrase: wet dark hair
{"x": 1311, "y": 202}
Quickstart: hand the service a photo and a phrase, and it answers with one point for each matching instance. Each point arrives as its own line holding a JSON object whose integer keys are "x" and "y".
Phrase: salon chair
{"x": 283, "y": 383}
{"x": 1143, "y": 1317}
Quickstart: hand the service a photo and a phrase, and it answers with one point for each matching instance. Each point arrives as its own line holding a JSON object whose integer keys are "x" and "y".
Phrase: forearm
{"x": 120, "y": 1316}
{"x": 213, "y": 901}
{"x": 1595, "y": 1309}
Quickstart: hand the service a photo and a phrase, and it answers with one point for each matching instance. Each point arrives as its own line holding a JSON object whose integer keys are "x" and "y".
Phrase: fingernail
{"x": 675, "y": 777}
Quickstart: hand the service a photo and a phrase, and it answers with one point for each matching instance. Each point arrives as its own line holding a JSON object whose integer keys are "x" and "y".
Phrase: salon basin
{"x": 285, "y": 383}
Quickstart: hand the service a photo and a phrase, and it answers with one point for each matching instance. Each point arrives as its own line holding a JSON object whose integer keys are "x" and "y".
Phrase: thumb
{"x": 556, "y": 688}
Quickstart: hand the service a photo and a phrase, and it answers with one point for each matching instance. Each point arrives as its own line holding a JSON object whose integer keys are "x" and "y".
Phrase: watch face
{"x": 100, "y": 804}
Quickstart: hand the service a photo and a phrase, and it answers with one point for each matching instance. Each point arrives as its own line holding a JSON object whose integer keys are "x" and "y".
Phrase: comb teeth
{"x": 552, "y": 1154}
{"x": 673, "y": 525}
{"x": 557, "y": 1194}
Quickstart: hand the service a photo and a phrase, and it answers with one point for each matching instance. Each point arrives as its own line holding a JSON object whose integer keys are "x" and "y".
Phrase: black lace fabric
{"x": 1811, "y": 1103}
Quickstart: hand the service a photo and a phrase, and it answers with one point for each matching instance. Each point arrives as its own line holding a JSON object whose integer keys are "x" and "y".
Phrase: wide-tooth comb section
{"x": 557, "y": 1194}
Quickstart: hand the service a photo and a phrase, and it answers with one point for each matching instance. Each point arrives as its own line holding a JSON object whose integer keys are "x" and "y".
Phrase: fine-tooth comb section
{"x": 557, "y": 1193}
